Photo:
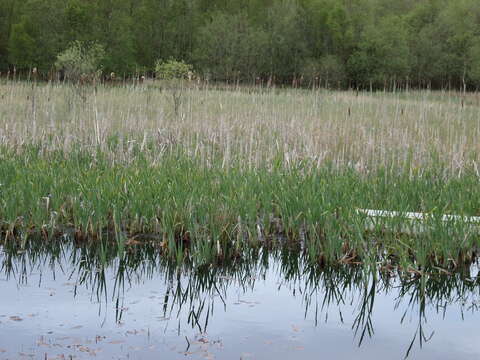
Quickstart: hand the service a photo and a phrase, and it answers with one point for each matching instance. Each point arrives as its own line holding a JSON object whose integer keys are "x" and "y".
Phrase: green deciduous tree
{"x": 21, "y": 47}
{"x": 383, "y": 55}
{"x": 231, "y": 48}
{"x": 37, "y": 35}
{"x": 7, "y": 11}
{"x": 286, "y": 44}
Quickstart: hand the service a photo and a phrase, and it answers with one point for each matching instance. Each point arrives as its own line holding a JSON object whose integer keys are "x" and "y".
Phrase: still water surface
{"x": 75, "y": 303}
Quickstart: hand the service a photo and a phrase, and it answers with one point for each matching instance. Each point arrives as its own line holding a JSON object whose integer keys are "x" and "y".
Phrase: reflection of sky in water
{"x": 266, "y": 322}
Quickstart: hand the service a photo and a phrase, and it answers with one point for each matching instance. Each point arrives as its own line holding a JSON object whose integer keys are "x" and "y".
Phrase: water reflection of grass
{"x": 194, "y": 290}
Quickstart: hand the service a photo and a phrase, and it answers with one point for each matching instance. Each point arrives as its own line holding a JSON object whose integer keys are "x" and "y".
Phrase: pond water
{"x": 71, "y": 302}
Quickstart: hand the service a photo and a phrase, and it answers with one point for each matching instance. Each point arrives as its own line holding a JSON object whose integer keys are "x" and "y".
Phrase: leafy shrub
{"x": 81, "y": 61}
{"x": 173, "y": 69}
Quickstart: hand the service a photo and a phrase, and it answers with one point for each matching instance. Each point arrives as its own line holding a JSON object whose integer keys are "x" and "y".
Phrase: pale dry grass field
{"x": 252, "y": 127}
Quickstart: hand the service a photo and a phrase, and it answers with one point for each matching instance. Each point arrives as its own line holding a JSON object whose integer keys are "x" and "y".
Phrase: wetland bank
{"x": 243, "y": 199}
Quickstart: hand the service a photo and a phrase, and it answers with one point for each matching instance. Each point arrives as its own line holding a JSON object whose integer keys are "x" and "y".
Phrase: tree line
{"x": 334, "y": 43}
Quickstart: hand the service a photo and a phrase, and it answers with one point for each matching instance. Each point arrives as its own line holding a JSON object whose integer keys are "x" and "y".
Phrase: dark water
{"x": 83, "y": 303}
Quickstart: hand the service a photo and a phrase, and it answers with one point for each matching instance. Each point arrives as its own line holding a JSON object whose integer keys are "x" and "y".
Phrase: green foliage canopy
{"x": 356, "y": 43}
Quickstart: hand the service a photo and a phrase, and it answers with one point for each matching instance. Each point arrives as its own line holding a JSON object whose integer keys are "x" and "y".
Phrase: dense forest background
{"x": 340, "y": 43}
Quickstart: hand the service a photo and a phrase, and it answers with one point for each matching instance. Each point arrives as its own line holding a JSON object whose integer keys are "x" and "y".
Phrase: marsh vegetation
{"x": 230, "y": 169}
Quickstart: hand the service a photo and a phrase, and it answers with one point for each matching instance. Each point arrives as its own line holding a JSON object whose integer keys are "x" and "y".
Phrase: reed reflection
{"x": 193, "y": 293}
